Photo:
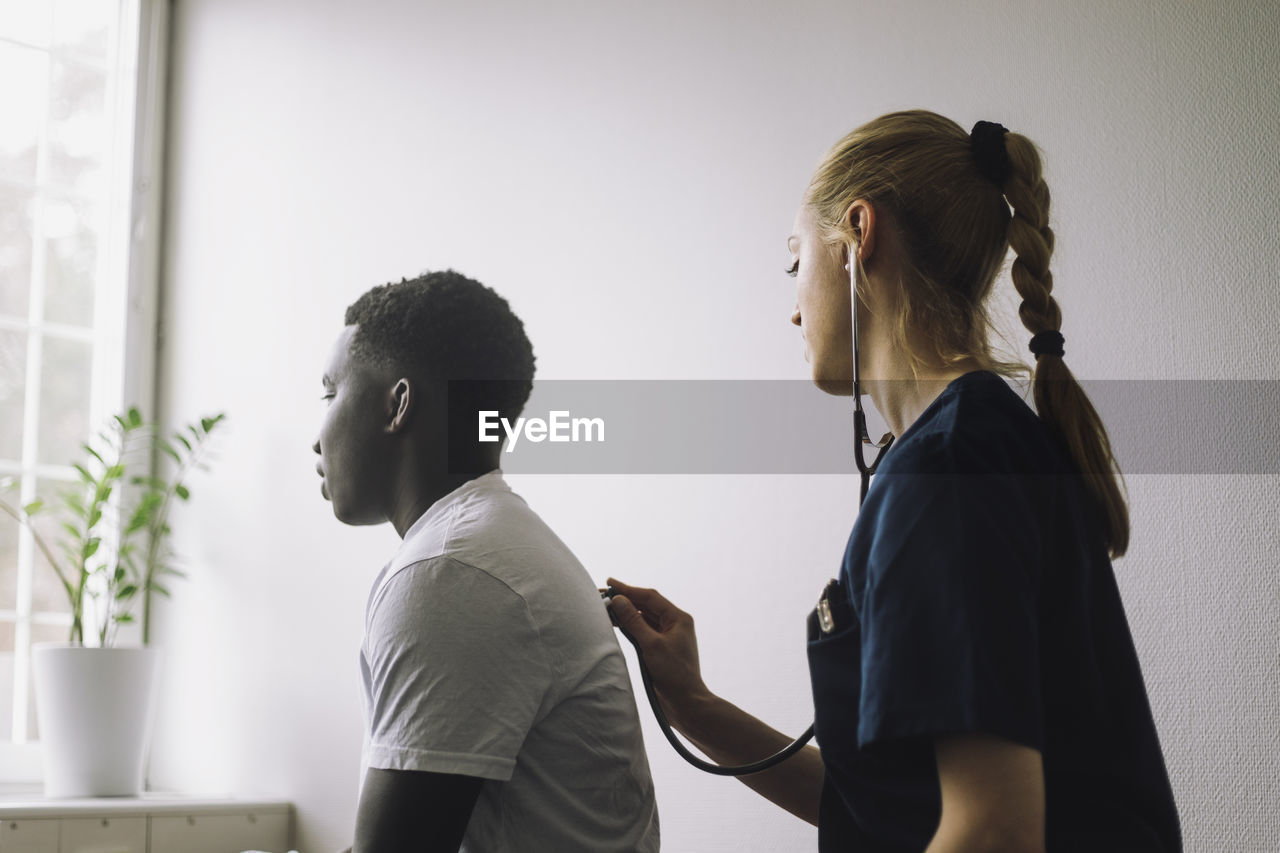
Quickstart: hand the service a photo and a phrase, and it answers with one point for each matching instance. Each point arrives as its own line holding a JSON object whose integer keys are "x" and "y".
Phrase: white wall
{"x": 626, "y": 174}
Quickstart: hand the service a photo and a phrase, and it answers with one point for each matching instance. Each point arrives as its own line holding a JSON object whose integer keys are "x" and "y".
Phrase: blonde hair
{"x": 918, "y": 169}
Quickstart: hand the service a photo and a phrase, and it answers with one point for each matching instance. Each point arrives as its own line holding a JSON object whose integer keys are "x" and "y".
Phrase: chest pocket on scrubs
{"x": 835, "y": 670}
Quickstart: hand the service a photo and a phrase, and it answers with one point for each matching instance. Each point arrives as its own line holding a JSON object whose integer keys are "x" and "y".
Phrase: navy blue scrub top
{"x": 976, "y": 595}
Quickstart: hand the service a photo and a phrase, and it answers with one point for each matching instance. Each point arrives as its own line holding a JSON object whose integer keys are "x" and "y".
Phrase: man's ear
{"x": 860, "y": 220}
{"x": 400, "y": 404}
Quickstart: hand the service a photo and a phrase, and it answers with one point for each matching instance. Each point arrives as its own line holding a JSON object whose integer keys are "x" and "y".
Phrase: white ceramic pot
{"x": 95, "y": 708}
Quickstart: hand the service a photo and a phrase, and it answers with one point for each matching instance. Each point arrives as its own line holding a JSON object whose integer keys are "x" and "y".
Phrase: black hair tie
{"x": 987, "y": 141}
{"x": 1048, "y": 342}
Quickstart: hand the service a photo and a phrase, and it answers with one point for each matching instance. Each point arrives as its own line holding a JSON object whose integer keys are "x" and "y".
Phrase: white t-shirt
{"x": 488, "y": 653}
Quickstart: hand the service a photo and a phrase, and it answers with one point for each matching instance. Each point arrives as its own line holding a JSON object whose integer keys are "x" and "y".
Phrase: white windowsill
{"x": 35, "y": 805}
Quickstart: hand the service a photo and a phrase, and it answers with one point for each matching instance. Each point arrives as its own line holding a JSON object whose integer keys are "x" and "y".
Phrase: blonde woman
{"x": 974, "y": 679}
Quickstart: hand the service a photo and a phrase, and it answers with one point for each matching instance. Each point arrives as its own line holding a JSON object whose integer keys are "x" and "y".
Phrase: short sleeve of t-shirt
{"x": 455, "y": 672}
{"x": 949, "y": 612}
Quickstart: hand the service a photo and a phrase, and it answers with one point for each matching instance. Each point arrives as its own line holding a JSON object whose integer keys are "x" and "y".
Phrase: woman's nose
{"x": 795, "y": 317}
{"x": 316, "y": 445}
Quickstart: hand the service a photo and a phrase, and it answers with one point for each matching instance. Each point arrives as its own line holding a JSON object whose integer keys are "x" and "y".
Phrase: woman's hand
{"x": 664, "y": 634}
{"x": 728, "y": 735}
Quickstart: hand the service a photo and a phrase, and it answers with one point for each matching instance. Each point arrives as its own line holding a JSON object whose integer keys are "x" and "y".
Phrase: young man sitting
{"x": 499, "y": 709}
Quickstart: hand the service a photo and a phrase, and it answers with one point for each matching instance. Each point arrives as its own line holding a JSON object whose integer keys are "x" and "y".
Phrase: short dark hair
{"x": 447, "y": 327}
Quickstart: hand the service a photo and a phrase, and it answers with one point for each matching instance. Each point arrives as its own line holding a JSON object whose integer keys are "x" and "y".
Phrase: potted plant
{"x": 94, "y": 701}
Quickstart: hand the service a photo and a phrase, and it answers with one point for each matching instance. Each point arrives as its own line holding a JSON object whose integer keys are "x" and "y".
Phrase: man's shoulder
{"x": 491, "y": 547}
{"x": 496, "y": 530}
{"x": 495, "y": 535}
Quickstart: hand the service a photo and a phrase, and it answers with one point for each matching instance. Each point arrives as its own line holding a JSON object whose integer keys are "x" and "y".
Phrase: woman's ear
{"x": 400, "y": 402}
{"x": 860, "y": 220}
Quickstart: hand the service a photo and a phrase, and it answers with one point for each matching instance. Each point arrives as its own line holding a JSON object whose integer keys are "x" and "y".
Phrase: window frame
{"x": 125, "y": 323}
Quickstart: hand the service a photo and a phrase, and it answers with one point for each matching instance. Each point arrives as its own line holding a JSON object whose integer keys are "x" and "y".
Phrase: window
{"x": 78, "y": 203}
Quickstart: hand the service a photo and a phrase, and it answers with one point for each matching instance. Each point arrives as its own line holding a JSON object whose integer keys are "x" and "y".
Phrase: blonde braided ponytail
{"x": 1059, "y": 399}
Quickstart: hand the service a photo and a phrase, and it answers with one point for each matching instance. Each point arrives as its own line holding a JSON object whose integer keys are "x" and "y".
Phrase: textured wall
{"x": 627, "y": 174}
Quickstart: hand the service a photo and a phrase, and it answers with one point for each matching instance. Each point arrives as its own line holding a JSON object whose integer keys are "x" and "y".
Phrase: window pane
{"x": 26, "y": 75}
{"x": 6, "y": 679}
{"x": 16, "y": 205}
{"x": 47, "y": 594}
{"x": 72, "y": 253}
{"x": 26, "y": 21}
{"x": 77, "y": 127}
{"x": 84, "y": 25}
{"x": 40, "y": 634}
{"x": 66, "y": 378}
{"x": 8, "y": 562}
{"x": 13, "y": 383}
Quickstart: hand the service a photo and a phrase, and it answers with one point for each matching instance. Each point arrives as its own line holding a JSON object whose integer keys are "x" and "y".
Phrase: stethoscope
{"x": 861, "y": 440}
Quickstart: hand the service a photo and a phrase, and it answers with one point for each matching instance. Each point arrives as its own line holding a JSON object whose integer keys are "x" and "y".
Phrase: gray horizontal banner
{"x": 790, "y": 427}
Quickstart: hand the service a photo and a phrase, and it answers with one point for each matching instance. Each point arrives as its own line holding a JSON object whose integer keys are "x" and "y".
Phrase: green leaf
{"x": 7, "y": 483}
{"x": 33, "y": 507}
{"x": 126, "y": 592}
{"x": 159, "y": 590}
{"x": 84, "y": 473}
{"x": 167, "y": 448}
{"x": 208, "y": 422}
{"x": 180, "y": 437}
{"x": 123, "y": 618}
{"x": 93, "y": 453}
{"x": 90, "y": 547}
{"x": 119, "y": 574}
{"x": 115, "y": 472}
{"x": 182, "y": 491}
{"x": 95, "y": 517}
{"x": 72, "y": 530}
{"x": 135, "y": 417}
{"x": 137, "y": 521}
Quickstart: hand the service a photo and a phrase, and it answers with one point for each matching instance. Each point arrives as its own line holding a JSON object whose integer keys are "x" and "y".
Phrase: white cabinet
{"x": 220, "y": 833}
{"x": 102, "y": 835}
{"x": 34, "y": 835}
{"x": 154, "y": 823}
